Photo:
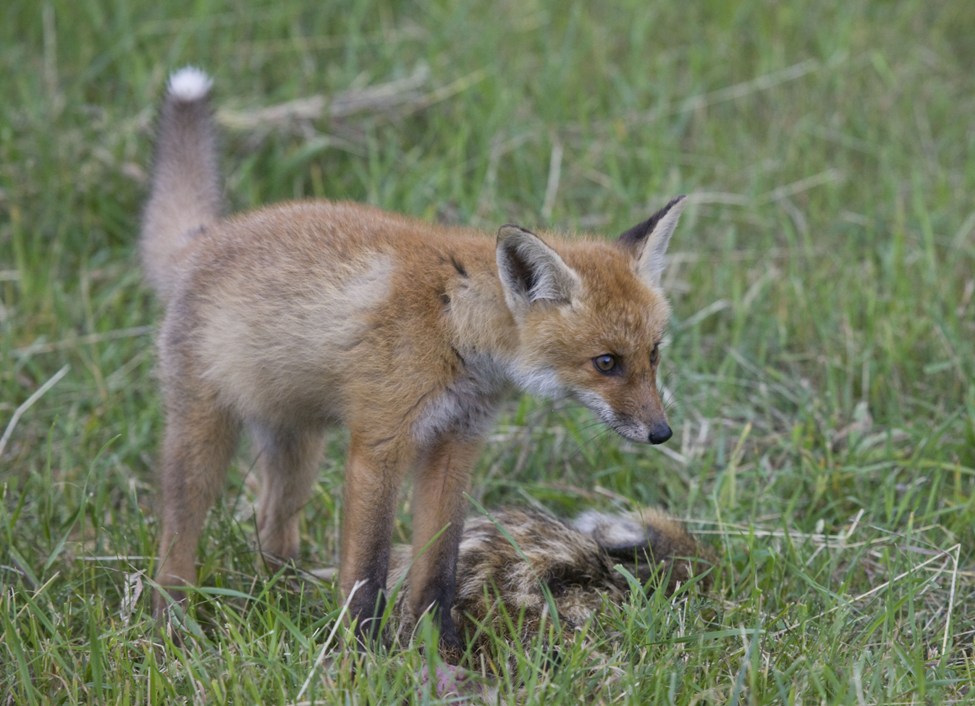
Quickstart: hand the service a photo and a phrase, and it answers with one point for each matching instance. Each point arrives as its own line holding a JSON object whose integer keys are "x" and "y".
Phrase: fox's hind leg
{"x": 289, "y": 461}
{"x": 199, "y": 443}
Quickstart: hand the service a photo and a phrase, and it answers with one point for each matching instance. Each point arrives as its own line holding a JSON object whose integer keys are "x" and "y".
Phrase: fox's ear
{"x": 648, "y": 241}
{"x": 531, "y": 271}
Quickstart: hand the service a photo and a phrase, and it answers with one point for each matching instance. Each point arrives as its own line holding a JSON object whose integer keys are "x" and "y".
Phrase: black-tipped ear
{"x": 531, "y": 271}
{"x": 635, "y": 236}
{"x": 648, "y": 241}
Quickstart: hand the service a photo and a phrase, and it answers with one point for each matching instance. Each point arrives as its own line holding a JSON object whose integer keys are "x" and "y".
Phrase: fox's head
{"x": 591, "y": 321}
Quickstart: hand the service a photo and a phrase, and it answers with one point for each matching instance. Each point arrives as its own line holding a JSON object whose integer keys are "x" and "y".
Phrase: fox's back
{"x": 289, "y": 304}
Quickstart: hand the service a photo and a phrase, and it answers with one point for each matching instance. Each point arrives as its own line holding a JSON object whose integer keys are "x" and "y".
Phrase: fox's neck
{"x": 481, "y": 323}
{"x": 487, "y": 336}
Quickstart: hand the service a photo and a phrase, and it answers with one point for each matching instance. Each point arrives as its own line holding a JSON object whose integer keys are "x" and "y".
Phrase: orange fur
{"x": 298, "y": 316}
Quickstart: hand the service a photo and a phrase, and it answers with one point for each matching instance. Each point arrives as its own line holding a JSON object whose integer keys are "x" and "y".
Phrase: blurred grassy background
{"x": 818, "y": 371}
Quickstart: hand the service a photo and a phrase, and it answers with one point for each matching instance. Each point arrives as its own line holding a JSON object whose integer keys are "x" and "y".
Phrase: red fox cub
{"x": 517, "y": 564}
{"x": 298, "y": 316}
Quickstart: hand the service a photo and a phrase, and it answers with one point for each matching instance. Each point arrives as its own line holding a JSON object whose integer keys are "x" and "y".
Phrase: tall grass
{"x": 818, "y": 370}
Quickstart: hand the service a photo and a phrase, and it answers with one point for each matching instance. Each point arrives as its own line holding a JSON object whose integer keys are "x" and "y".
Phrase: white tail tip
{"x": 189, "y": 84}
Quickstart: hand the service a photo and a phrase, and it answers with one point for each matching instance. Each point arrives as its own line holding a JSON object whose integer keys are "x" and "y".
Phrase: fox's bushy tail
{"x": 186, "y": 192}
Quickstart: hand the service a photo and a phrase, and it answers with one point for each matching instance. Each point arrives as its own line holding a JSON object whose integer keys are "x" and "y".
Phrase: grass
{"x": 819, "y": 366}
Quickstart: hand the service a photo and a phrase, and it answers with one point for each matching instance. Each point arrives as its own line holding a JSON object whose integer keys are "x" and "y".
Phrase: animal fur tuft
{"x": 511, "y": 558}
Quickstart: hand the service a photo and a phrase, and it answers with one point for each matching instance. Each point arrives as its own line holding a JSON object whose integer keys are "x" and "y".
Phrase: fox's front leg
{"x": 442, "y": 477}
{"x": 373, "y": 476}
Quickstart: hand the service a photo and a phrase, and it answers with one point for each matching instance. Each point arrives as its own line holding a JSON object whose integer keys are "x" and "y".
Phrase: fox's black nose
{"x": 659, "y": 433}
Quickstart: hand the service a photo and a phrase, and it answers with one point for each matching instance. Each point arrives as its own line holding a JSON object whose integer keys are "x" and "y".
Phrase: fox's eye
{"x": 655, "y": 355}
{"x": 605, "y": 363}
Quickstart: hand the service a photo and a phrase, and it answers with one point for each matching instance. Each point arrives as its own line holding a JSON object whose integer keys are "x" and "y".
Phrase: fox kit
{"x": 302, "y": 315}
{"x": 510, "y": 558}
